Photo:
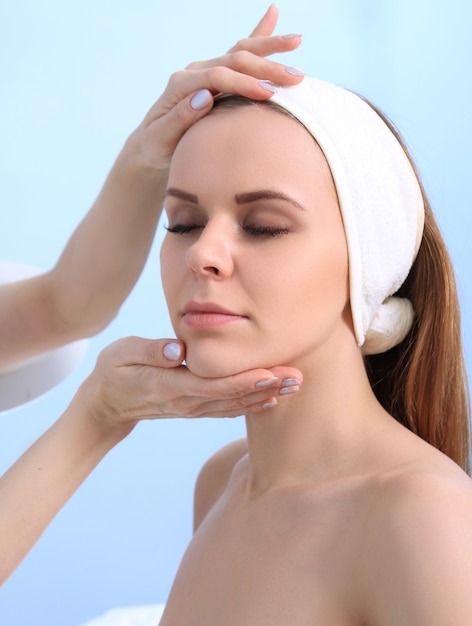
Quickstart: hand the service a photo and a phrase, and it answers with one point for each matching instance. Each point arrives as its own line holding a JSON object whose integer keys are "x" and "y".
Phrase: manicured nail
{"x": 270, "y": 404}
{"x": 267, "y": 382}
{"x": 265, "y": 84}
{"x": 200, "y": 100}
{"x": 291, "y": 36}
{"x": 294, "y": 71}
{"x": 172, "y": 351}
{"x": 285, "y": 390}
{"x": 290, "y": 382}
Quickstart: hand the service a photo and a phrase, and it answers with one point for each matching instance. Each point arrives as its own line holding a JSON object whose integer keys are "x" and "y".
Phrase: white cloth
{"x": 29, "y": 379}
{"x": 380, "y": 200}
{"x": 149, "y": 615}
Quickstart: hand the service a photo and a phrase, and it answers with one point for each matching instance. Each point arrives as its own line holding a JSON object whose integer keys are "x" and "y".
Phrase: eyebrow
{"x": 240, "y": 198}
{"x": 182, "y": 195}
{"x": 266, "y": 194}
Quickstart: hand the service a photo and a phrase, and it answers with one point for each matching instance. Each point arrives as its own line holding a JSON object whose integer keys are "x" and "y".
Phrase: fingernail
{"x": 270, "y": 404}
{"x": 172, "y": 351}
{"x": 294, "y": 71}
{"x": 291, "y": 36}
{"x": 267, "y": 382}
{"x": 265, "y": 84}
{"x": 289, "y": 382}
{"x": 200, "y": 100}
{"x": 285, "y": 390}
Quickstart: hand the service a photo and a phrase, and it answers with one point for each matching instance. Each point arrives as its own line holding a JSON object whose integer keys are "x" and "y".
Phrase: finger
{"x": 189, "y": 97}
{"x": 230, "y": 408}
{"x": 165, "y": 353}
{"x": 247, "y": 392}
{"x": 252, "y": 403}
{"x": 262, "y": 380}
{"x": 264, "y": 46}
{"x": 166, "y": 128}
{"x": 252, "y": 65}
{"x": 176, "y": 392}
{"x": 267, "y": 23}
{"x": 261, "y": 383}
{"x": 287, "y": 373}
{"x": 241, "y": 73}
{"x": 252, "y": 408}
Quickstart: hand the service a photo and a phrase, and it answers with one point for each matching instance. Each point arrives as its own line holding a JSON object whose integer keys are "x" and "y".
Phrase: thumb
{"x": 174, "y": 351}
{"x": 171, "y": 126}
{"x": 201, "y": 101}
{"x": 152, "y": 352}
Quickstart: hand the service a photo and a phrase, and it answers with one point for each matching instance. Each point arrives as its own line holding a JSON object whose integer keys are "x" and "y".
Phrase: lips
{"x": 208, "y": 315}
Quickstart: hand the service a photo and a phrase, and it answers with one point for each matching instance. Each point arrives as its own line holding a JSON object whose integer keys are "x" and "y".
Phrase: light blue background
{"x": 75, "y": 79}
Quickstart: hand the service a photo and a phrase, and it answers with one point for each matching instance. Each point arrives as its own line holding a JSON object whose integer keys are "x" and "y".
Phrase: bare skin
{"x": 379, "y": 535}
{"x": 104, "y": 257}
{"x": 331, "y": 513}
{"x": 134, "y": 379}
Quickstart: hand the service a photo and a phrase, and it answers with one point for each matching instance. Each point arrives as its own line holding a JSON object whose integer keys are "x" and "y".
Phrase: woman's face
{"x": 254, "y": 267}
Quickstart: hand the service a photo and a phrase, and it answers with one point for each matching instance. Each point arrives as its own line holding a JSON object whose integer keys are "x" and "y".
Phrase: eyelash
{"x": 257, "y": 231}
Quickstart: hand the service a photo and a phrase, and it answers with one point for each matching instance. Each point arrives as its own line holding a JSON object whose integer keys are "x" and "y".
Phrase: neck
{"x": 321, "y": 432}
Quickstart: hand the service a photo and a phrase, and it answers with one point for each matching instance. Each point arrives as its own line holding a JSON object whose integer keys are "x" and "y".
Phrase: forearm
{"x": 36, "y": 487}
{"x": 97, "y": 269}
{"x": 107, "y": 252}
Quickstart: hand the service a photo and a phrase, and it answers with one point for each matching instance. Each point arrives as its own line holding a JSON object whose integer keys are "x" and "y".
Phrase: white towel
{"x": 380, "y": 201}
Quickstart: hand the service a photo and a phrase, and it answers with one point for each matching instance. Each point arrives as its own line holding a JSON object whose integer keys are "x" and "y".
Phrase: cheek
{"x": 318, "y": 285}
{"x": 171, "y": 263}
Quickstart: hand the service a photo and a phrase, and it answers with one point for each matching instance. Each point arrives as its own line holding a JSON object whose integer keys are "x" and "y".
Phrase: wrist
{"x": 104, "y": 424}
{"x": 134, "y": 182}
{"x": 134, "y": 157}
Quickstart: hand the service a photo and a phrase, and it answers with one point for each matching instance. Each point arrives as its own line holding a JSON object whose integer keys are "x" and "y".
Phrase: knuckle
{"x": 182, "y": 116}
{"x": 195, "y": 65}
{"x": 152, "y": 352}
{"x": 241, "y": 57}
{"x": 176, "y": 77}
{"x": 110, "y": 352}
{"x": 216, "y": 74}
{"x": 238, "y": 46}
{"x": 237, "y": 405}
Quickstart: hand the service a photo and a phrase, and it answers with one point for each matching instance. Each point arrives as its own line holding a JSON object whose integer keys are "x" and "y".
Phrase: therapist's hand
{"x": 137, "y": 379}
{"x": 244, "y": 70}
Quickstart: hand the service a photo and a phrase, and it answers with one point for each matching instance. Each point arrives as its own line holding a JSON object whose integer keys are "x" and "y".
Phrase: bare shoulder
{"x": 424, "y": 505}
{"x": 438, "y": 492}
{"x": 214, "y": 477}
{"x": 419, "y": 550}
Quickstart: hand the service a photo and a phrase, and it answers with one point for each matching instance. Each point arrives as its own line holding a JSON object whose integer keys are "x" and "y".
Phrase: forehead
{"x": 256, "y": 140}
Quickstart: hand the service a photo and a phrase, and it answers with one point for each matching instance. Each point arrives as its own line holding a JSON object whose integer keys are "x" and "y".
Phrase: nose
{"x": 210, "y": 256}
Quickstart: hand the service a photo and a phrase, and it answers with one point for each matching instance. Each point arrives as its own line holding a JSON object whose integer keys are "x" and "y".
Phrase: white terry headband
{"x": 380, "y": 200}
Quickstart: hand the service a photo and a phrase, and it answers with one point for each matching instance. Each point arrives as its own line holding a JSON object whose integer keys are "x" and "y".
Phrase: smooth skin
{"x": 134, "y": 378}
{"x": 331, "y": 512}
{"x": 107, "y": 252}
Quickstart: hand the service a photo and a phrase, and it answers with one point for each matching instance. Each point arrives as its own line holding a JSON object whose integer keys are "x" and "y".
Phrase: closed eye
{"x": 257, "y": 231}
{"x": 182, "y": 229}
{"x": 268, "y": 231}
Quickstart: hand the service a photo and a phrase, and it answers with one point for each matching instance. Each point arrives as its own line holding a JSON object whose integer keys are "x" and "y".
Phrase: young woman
{"x": 135, "y": 378}
{"x": 298, "y": 232}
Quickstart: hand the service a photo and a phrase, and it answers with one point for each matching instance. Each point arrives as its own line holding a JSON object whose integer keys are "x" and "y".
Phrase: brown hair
{"x": 422, "y": 382}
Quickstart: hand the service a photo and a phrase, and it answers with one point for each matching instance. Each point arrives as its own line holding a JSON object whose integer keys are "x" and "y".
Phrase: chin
{"x": 214, "y": 362}
{"x": 207, "y": 367}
